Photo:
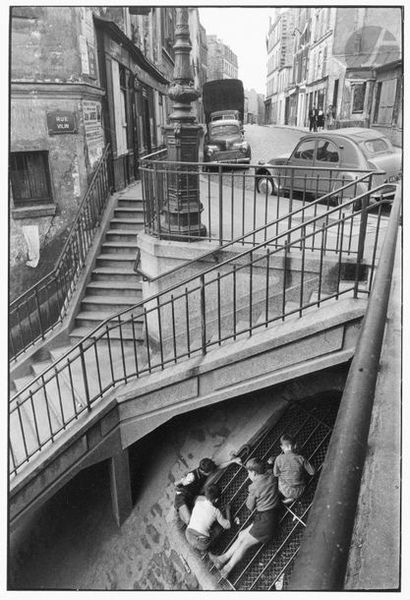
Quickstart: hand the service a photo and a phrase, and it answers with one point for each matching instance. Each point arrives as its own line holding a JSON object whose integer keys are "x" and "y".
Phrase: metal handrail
{"x": 253, "y": 232}
{"x": 115, "y": 318}
{"x": 59, "y": 281}
{"x": 72, "y": 229}
{"x": 165, "y": 301}
{"x": 322, "y": 559}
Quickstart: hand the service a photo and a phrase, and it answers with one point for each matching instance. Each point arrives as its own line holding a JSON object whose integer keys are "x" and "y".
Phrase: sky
{"x": 244, "y": 30}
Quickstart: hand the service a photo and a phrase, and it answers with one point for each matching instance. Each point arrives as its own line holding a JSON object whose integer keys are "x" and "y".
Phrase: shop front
{"x": 129, "y": 111}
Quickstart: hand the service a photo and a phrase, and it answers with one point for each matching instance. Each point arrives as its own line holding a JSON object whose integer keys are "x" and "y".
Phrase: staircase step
{"x": 82, "y": 329}
{"x": 92, "y": 319}
{"x": 130, "y": 224}
{"x": 118, "y": 247}
{"x": 111, "y": 304}
{"x": 114, "y": 288}
{"x": 116, "y": 260}
{"x": 124, "y": 201}
{"x": 129, "y": 213}
{"x": 110, "y": 274}
{"x": 120, "y": 235}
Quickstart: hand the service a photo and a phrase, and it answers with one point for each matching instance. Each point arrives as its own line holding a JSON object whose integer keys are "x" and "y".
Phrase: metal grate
{"x": 311, "y": 425}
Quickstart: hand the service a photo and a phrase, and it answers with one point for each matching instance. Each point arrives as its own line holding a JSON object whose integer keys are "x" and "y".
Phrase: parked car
{"x": 225, "y": 143}
{"x": 349, "y": 148}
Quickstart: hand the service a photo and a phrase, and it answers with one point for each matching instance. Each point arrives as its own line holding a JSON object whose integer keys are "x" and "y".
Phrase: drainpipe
{"x": 322, "y": 558}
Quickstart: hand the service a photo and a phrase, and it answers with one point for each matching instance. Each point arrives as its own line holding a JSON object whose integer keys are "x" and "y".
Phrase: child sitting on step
{"x": 290, "y": 468}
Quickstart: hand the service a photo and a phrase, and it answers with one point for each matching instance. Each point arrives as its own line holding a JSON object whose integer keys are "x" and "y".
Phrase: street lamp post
{"x": 181, "y": 218}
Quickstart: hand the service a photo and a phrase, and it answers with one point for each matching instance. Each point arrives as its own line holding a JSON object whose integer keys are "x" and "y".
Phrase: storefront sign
{"x": 61, "y": 121}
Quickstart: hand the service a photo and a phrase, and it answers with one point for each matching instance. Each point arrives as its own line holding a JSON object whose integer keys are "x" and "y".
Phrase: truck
{"x": 223, "y": 102}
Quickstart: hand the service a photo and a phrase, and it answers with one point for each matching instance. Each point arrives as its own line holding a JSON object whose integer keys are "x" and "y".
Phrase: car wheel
{"x": 265, "y": 184}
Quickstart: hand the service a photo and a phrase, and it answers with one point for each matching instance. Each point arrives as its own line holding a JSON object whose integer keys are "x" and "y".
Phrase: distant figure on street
{"x": 190, "y": 486}
{"x": 330, "y": 116}
{"x": 202, "y": 530}
{"x": 313, "y": 119}
{"x": 290, "y": 468}
{"x": 264, "y": 497}
{"x": 320, "y": 119}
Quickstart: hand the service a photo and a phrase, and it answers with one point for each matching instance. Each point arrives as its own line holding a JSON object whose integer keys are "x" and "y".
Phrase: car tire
{"x": 265, "y": 184}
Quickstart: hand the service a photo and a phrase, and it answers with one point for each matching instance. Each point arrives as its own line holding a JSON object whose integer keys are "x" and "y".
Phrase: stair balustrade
{"x": 38, "y": 310}
{"x": 318, "y": 259}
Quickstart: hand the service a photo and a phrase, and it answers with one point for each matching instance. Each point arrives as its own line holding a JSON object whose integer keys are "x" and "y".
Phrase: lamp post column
{"x": 181, "y": 218}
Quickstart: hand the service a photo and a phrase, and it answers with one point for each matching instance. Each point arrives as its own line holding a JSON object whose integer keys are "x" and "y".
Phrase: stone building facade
{"x": 340, "y": 58}
{"x": 222, "y": 62}
{"x": 104, "y": 81}
{"x": 254, "y": 107}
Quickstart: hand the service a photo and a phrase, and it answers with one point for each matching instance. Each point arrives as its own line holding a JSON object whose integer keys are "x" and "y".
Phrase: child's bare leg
{"x": 247, "y": 542}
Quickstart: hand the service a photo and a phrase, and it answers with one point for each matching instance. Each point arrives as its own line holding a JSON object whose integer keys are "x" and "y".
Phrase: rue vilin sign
{"x": 61, "y": 121}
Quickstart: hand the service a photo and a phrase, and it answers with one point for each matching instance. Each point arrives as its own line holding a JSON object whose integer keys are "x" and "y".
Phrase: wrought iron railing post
{"x": 220, "y": 208}
{"x": 85, "y": 378}
{"x": 203, "y": 314}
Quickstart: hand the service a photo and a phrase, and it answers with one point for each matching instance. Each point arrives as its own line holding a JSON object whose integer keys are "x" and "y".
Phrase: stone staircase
{"x": 114, "y": 285}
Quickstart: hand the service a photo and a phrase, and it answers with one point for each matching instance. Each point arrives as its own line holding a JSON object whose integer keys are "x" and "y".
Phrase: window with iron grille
{"x": 359, "y": 91}
{"x": 30, "y": 178}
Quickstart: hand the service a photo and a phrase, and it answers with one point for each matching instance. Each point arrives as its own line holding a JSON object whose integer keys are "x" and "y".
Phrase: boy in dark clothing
{"x": 263, "y": 496}
{"x": 190, "y": 486}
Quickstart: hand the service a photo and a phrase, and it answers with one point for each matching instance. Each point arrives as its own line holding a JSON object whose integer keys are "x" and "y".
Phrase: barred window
{"x": 30, "y": 178}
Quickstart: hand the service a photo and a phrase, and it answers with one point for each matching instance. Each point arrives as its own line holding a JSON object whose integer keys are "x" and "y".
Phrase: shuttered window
{"x": 30, "y": 178}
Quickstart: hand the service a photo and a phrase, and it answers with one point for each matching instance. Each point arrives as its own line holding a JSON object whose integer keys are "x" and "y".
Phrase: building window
{"x": 305, "y": 150}
{"x": 384, "y": 102}
{"x": 359, "y": 91}
{"x": 30, "y": 178}
{"x": 327, "y": 152}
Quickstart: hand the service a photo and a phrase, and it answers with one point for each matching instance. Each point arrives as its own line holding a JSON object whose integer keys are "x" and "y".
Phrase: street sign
{"x": 61, "y": 121}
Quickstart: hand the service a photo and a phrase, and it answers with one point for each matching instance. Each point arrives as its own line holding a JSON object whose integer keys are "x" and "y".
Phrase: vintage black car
{"x": 225, "y": 143}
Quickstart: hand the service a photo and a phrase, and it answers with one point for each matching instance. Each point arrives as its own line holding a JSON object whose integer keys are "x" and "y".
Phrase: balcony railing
{"x": 43, "y": 306}
{"x": 237, "y": 297}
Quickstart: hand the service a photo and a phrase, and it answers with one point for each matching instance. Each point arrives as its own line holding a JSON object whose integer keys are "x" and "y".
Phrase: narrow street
{"x": 268, "y": 141}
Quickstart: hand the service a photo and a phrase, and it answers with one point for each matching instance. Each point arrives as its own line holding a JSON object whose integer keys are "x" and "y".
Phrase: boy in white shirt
{"x": 204, "y": 515}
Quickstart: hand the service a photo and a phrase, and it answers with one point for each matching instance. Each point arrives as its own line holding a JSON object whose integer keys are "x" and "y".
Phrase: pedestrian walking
{"x": 320, "y": 119}
{"x": 290, "y": 468}
{"x": 202, "y": 528}
{"x": 264, "y": 497}
{"x": 313, "y": 119}
{"x": 329, "y": 116}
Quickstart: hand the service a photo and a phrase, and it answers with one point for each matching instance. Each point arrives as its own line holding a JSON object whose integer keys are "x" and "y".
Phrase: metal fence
{"x": 242, "y": 294}
{"x": 229, "y": 203}
{"x": 41, "y": 307}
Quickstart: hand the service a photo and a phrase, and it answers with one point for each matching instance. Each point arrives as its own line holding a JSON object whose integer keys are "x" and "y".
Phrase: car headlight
{"x": 211, "y": 149}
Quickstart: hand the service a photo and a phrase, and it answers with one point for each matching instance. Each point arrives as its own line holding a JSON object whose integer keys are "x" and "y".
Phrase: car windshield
{"x": 376, "y": 146}
{"x": 224, "y": 130}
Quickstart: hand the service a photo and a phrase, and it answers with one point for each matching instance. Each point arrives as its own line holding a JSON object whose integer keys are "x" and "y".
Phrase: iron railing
{"x": 301, "y": 212}
{"x": 322, "y": 566}
{"x": 240, "y": 295}
{"x": 41, "y": 307}
{"x": 230, "y": 204}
